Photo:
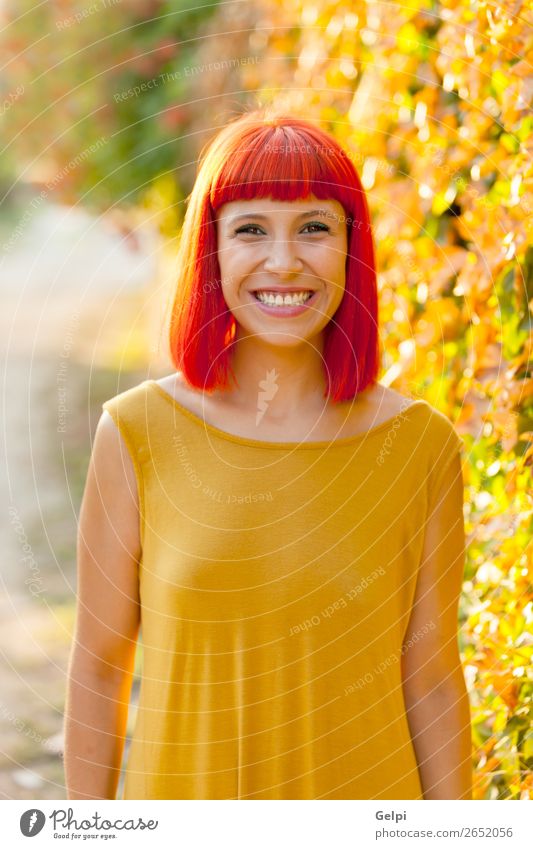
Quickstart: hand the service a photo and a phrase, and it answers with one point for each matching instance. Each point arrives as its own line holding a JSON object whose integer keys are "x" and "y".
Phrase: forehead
{"x": 268, "y": 206}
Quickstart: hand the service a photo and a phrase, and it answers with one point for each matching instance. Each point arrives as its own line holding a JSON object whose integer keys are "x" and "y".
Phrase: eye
{"x": 246, "y": 228}
{"x": 320, "y": 225}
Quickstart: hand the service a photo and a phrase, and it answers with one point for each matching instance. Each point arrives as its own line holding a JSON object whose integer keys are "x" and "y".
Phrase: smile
{"x": 289, "y": 299}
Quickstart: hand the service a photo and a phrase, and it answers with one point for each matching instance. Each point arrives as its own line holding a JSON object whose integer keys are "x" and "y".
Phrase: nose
{"x": 283, "y": 259}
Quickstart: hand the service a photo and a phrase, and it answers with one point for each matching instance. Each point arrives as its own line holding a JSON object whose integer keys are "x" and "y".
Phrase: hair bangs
{"x": 285, "y": 163}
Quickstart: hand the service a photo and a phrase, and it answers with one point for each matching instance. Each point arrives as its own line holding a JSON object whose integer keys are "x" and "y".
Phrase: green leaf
{"x": 510, "y": 142}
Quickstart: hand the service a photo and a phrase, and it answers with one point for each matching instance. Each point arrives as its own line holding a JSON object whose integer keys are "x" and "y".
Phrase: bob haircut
{"x": 286, "y": 158}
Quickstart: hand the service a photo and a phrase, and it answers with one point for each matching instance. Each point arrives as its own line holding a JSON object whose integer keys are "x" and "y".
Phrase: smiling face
{"x": 282, "y": 265}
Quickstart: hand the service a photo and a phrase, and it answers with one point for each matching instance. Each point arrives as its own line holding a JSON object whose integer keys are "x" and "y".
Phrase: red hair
{"x": 285, "y": 158}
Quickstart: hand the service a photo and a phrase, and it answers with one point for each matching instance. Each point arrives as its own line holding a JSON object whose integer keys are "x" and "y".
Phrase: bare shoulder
{"x": 175, "y": 383}
{"x": 381, "y": 399}
{"x": 377, "y": 404}
{"x": 374, "y": 405}
{"x": 391, "y": 401}
{"x": 185, "y": 394}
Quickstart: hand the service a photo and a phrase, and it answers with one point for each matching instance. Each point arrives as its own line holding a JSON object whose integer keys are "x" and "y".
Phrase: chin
{"x": 280, "y": 338}
{"x": 276, "y": 339}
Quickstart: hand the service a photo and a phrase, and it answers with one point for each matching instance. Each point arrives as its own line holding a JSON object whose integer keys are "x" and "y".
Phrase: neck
{"x": 291, "y": 379}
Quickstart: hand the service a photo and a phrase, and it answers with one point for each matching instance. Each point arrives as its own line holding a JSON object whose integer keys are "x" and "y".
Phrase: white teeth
{"x": 275, "y": 299}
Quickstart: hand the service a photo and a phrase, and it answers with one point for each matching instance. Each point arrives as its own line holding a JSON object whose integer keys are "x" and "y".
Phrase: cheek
{"x": 333, "y": 263}
{"x": 233, "y": 256}
{"x": 334, "y": 254}
{"x": 229, "y": 287}
{"x": 223, "y": 251}
{"x": 228, "y": 268}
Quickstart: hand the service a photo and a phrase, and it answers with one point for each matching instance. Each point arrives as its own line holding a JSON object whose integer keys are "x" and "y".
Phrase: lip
{"x": 283, "y": 289}
{"x": 287, "y": 310}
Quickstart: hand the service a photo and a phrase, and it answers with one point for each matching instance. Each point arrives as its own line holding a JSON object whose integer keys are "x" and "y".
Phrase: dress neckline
{"x": 258, "y": 443}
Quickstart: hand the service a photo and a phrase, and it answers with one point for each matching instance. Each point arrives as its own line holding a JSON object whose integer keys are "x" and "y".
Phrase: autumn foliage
{"x": 432, "y": 100}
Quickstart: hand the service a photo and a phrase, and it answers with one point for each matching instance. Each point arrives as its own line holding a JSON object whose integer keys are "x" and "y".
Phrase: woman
{"x": 287, "y": 530}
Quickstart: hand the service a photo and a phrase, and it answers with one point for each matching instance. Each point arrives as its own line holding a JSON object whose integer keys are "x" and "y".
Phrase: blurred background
{"x": 104, "y": 107}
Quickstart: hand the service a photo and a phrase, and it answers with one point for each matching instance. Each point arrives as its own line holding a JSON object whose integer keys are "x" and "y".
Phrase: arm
{"x": 107, "y": 620}
{"x": 436, "y": 698}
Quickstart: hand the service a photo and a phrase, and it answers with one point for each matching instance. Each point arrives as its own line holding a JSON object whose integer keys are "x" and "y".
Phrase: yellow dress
{"x": 276, "y": 583}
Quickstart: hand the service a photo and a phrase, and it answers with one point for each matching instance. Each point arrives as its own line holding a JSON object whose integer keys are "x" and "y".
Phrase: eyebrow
{"x": 259, "y": 215}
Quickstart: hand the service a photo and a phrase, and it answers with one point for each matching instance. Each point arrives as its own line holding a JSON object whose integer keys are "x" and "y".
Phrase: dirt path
{"x": 58, "y": 281}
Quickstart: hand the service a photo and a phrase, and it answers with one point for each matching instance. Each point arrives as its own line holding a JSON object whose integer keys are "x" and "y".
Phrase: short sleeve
{"x": 446, "y": 450}
{"x": 123, "y": 410}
